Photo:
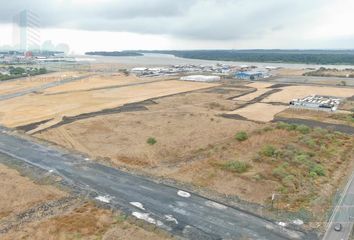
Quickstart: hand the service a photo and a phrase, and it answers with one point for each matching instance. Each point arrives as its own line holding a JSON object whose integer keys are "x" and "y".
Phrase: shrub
{"x": 151, "y": 141}
{"x": 309, "y": 141}
{"x": 286, "y": 126}
{"x": 318, "y": 170}
{"x": 268, "y": 151}
{"x": 241, "y": 136}
{"x": 303, "y": 129}
{"x": 280, "y": 171}
{"x": 236, "y": 166}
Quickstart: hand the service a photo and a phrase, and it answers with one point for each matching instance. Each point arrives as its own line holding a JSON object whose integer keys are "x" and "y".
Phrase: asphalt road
{"x": 185, "y": 214}
{"x": 41, "y": 87}
{"x": 343, "y": 214}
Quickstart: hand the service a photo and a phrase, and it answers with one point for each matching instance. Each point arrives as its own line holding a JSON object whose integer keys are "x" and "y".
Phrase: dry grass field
{"x": 291, "y": 92}
{"x": 39, "y": 107}
{"x": 25, "y": 214}
{"x": 12, "y": 86}
{"x": 261, "y": 112}
{"x": 86, "y": 222}
{"x": 18, "y": 193}
{"x": 205, "y": 135}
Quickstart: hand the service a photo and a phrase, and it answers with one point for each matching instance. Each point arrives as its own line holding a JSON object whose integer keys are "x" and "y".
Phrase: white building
{"x": 201, "y": 78}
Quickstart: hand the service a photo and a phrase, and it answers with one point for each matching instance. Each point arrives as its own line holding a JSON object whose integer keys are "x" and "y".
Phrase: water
{"x": 165, "y": 60}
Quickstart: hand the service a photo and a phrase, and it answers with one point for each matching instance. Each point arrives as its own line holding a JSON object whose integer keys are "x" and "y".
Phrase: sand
{"x": 260, "y": 111}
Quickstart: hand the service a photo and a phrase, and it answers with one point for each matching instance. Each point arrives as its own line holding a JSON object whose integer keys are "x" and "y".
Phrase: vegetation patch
{"x": 241, "y": 136}
{"x": 151, "y": 141}
{"x": 236, "y": 166}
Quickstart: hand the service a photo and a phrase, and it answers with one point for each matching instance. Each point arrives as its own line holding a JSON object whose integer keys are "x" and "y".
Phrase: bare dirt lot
{"x": 12, "y": 86}
{"x": 18, "y": 193}
{"x": 38, "y": 107}
{"x": 180, "y": 124}
{"x": 260, "y": 111}
{"x": 180, "y": 131}
{"x": 84, "y": 222}
{"x": 34, "y": 211}
{"x": 290, "y": 72}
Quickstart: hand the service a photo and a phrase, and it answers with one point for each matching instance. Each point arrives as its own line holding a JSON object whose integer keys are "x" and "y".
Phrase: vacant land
{"x": 344, "y": 118}
{"x": 18, "y": 193}
{"x": 212, "y": 137}
{"x": 328, "y": 72}
{"x": 8, "y": 87}
{"x": 290, "y": 72}
{"x": 40, "y": 107}
{"x": 34, "y": 211}
{"x": 261, "y": 112}
{"x": 180, "y": 124}
{"x": 86, "y": 221}
{"x": 291, "y": 92}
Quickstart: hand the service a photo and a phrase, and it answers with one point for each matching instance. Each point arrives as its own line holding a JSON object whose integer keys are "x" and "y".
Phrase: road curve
{"x": 184, "y": 214}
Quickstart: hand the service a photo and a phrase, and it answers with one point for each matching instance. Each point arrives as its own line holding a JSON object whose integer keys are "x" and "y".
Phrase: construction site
{"x": 186, "y": 133}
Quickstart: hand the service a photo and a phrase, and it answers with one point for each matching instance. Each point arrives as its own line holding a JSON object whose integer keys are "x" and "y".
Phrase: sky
{"x": 107, "y": 25}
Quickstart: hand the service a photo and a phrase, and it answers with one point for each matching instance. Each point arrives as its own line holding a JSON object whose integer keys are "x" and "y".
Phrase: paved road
{"x": 41, "y": 87}
{"x": 181, "y": 213}
{"x": 343, "y": 214}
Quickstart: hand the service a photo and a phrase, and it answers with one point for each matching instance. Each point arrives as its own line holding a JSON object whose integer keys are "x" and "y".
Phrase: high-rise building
{"x": 26, "y": 31}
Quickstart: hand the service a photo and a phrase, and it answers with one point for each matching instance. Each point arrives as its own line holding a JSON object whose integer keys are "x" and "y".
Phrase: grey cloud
{"x": 191, "y": 19}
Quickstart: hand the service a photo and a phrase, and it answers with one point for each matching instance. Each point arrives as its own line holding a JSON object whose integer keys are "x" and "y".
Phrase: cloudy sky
{"x": 188, "y": 24}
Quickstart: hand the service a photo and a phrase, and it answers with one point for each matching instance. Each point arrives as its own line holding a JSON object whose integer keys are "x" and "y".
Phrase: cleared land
{"x": 18, "y": 193}
{"x": 291, "y": 92}
{"x": 36, "y": 211}
{"x": 39, "y": 107}
{"x": 259, "y": 111}
{"x": 180, "y": 124}
{"x": 191, "y": 133}
{"x": 12, "y": 86}
{"x": 86, "y": 221}
{"x": 97, "y": 82}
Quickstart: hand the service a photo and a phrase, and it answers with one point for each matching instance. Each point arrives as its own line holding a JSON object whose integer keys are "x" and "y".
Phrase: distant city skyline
{"x": 188, "y": 24}
{"x": 26, "y": 31}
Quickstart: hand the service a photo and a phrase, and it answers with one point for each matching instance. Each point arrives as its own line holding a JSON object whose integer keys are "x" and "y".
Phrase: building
{"x": 201, "y": 78}
{"x": 26, "y": 31}
{"x": 249, "y": 75}
{"x": 317, "y": 102}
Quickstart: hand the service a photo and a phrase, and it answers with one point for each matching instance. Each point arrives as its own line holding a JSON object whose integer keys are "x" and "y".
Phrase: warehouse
{"x": 201, "y": 78}
{"x": 249, "y": 75}
{"x": 316, "y": 102}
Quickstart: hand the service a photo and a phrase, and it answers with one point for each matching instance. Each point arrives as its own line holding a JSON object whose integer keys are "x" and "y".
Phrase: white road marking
{"x": 183, "y": 194}
{"x": 282, "y": 224}
{"x": 170, "y": 218}
{"x": 298, "y": 222}
{"x": 138, "y": 205}
{"x": 105, "y": 199}
{"x": 215, "y": 205}
{"x": 146, "y": 217}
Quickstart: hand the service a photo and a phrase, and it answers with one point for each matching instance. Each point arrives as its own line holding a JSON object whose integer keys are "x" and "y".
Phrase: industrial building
{"x": 316, "y": 102}
{"x": 249, "y": 75}
{"x": 201, "y": 78}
